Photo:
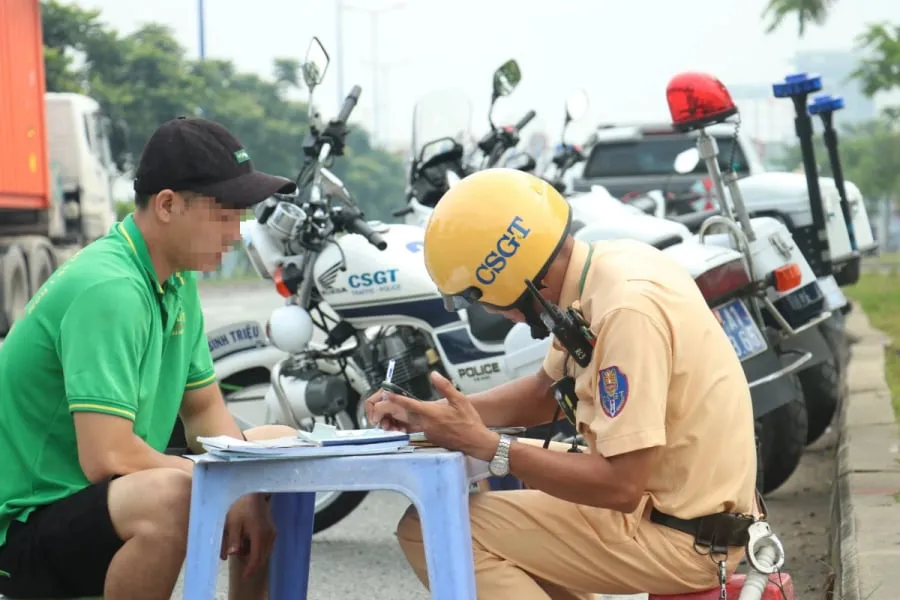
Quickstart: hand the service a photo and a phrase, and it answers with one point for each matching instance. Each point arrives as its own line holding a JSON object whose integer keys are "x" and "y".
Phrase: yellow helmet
{"x": 490, "y": 232}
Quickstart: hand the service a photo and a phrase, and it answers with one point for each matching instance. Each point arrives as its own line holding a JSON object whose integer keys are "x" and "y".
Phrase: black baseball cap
{"x": 199, "y": 155}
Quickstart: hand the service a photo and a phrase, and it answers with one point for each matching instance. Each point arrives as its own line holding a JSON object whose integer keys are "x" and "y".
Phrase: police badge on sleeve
{"x": 613, "y": 388}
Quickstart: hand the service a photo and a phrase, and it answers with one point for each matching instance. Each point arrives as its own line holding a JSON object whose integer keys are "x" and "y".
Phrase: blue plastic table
{"x": 436, "y": 481}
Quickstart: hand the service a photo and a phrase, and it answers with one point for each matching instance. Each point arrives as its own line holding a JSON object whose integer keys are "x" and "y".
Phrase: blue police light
{"x": 825, "y": 103}
{"x": 797, "y": 84}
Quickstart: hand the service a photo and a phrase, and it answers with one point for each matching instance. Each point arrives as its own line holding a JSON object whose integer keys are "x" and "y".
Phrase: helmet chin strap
{"x": 527, "y": 305}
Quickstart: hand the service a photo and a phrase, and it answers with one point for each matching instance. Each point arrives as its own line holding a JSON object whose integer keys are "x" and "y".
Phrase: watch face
{"x": 499, "y": 467}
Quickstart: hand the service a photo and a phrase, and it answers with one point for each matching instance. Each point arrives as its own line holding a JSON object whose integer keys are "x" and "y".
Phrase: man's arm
{"x": 107, "y": 446}
{"x": 204, "y": 413}
{"x": 102, "y": 340}
{"x": 522, "y": 402}
{"x": 631, "y": 369}
{"x": 203, "y": 410}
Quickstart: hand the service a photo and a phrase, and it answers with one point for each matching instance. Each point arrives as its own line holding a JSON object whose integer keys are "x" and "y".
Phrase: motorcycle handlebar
{"x": 359, "y": 226}
{"x": 349, "y": 104}
{"x": 525, "y": 120}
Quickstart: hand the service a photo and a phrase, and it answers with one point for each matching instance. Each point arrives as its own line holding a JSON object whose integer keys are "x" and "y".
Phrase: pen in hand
{"x": 387, "y": 377}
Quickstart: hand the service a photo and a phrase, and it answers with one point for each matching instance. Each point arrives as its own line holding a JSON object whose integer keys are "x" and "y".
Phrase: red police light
{"x": 698, "y": 99}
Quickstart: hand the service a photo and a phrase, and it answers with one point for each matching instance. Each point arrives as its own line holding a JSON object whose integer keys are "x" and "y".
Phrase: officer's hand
{"x": 390, "y": 416}
{"x": 452, "y": 423}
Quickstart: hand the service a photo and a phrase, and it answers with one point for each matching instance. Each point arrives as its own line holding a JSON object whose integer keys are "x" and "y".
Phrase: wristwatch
{"x": 499, "y": 465}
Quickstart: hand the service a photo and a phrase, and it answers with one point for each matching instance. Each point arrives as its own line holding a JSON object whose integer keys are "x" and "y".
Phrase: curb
{"x": 865, "y": 503}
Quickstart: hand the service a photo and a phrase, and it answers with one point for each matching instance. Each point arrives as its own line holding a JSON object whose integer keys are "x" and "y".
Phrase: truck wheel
{"x": 783, "y": 434}
{"x": 41, "y": 263}
{"x": 14, "y": 290}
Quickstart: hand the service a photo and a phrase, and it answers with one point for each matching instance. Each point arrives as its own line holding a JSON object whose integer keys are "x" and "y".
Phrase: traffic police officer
{"x": 660, "y": 398}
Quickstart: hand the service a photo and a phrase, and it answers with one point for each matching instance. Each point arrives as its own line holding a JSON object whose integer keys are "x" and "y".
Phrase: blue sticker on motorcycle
{"x": 613, "y": 384}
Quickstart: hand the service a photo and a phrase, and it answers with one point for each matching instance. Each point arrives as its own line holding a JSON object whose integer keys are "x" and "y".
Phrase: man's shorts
{"x": 64, "y": 549}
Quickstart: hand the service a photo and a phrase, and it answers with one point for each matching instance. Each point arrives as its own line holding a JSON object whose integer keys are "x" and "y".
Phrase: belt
{"x": 717, "y": 532}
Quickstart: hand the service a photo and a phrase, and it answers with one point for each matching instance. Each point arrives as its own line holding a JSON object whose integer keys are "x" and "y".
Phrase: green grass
{"x": 879, "y": 296}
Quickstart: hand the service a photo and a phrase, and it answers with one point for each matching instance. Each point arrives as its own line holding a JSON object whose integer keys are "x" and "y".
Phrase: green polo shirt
{"x": 101, "y": 335}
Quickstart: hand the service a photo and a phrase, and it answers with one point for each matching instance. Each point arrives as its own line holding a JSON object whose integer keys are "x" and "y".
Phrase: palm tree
{"x": 287, "y": 72}
{"x": 808, "y": 12}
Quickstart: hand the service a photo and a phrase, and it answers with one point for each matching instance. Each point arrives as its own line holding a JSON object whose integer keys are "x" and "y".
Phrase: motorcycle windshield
{"x": 437, "y": 116}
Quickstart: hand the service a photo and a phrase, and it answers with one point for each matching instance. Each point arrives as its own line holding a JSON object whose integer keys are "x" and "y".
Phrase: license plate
{"x": 742, "y": 331}
{"x": 234, "y": 338}
{"x": 834, "y": 297}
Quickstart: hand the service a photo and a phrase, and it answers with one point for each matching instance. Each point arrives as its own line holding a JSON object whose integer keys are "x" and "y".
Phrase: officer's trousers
{"x": 529, "y": 545}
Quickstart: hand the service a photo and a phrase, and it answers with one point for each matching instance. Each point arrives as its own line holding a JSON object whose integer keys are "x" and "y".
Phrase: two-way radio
{"x": 569, "y": 328}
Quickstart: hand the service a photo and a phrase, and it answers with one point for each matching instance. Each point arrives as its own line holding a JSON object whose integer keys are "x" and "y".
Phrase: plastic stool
{"x": 437, "y": 483}
{"x": 773, "y": 591}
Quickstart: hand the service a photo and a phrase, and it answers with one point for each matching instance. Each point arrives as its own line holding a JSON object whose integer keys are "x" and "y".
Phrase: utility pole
{"x": 201, "y": 29}
{"x": 381, "y": 123}
{"x": 374, "y": 15}
{"x": 339, "y": 47}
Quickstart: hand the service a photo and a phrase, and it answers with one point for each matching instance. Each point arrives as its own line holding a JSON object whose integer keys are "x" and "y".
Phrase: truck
{"x": 632, "y": 159}
{"x": 56, "y": 165}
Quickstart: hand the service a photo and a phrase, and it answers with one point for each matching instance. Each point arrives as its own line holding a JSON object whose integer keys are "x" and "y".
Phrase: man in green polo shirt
{"x": 111, "y": 351}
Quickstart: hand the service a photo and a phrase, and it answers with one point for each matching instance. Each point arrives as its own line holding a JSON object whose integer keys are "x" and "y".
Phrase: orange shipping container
{"x": 24, "y": 174}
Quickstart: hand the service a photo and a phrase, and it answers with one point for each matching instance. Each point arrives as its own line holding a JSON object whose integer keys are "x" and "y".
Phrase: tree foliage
{"x": 879, "y": 70}
{"x": 146, "y": 78}
{"x": 807, "y": 12}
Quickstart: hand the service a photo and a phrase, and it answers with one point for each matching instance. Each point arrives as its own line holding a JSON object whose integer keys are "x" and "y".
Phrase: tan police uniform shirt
{"x": 663, "y": 374}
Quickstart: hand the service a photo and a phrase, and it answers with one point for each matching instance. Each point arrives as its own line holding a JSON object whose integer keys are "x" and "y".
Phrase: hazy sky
{"x": 621, "y": 53}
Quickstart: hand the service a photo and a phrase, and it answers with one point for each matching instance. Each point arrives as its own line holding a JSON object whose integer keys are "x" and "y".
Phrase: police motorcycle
{"x": 301, "y": 367}
{"x": 791, "y": 304}
{"x": 808, "y": 204}
{"x": 831, "y": 231}
{"x": 444, "y": 151}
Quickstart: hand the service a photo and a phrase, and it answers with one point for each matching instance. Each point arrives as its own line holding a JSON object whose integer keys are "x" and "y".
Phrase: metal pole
{"x": 374, "y": 15}
{"x": 339, "y": 47}
{"x": 376, "y": 97}
{"x": 201, "y": 25}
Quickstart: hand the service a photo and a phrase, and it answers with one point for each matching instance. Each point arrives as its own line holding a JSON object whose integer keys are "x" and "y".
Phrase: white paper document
{"x": 323, "y": 440}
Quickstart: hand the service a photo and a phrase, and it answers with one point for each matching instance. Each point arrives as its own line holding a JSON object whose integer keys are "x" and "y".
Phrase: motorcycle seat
{"x": 773, "y": 591}
{"x": 487, "y": 327}
{"x": 694, "y": 220}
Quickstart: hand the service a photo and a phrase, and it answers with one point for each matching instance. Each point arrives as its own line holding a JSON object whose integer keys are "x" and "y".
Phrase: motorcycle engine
{"x": 310, "y": 393}
{"x": 413, "y": 358}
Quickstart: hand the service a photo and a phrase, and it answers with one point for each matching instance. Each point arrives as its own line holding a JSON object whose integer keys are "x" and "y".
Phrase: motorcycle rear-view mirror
{"x": 576, "y": 105}
{"x": 506, "y": 78}
{"x": 316, "y": 64}
{"x": 687, "y": 161}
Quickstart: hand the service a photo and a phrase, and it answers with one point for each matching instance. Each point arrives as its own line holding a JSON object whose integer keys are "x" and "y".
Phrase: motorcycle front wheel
{"x": 782, "y": 440}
